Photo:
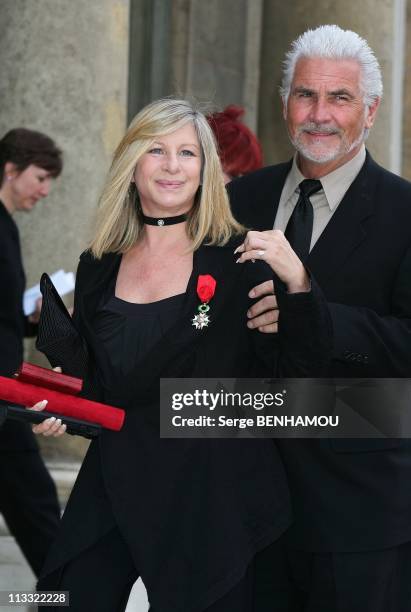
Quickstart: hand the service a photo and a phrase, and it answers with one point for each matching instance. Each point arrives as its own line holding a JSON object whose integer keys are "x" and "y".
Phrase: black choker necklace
{"x": 161, "y": 221}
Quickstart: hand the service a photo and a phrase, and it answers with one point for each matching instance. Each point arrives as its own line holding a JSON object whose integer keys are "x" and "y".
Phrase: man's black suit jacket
{"x": 351, "y": 495}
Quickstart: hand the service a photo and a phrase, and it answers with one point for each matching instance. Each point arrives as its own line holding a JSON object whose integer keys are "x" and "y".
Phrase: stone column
{"x": 64, "y": 72}
{"x": 221, "y": 53}
{"x": 209, "y": 50}
{"x": 381, "y": 23}
{"x": 407, "y": 100}
{"x": 150, "y": 34}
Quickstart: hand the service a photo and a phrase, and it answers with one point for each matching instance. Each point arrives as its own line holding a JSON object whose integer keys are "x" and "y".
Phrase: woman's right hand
{"x": 49, "y": 427}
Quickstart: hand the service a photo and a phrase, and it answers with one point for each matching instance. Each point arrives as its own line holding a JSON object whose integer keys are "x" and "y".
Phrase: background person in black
{"x": 29, "y": 161}
{"x": 191, "y": 515}
{"x": 348, "y": 549}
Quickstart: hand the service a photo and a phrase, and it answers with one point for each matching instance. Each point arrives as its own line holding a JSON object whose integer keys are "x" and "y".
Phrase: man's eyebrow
{"x": 341, "y": 92}
{"x": 334, "y": 92}
{"x": 301, "y": 89}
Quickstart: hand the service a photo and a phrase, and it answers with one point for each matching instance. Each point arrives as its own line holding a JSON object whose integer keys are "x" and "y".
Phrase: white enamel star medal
{"x": 206, "y": 285}
{"x": 201, "y": 319}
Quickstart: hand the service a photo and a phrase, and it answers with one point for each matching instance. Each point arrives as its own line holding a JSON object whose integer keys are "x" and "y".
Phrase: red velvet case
{"x": 25, "y": 394}
{"x": 44, "y": 377}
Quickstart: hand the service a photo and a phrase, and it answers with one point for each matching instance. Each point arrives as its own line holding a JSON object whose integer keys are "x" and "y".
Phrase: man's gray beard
{"x": 329, "y": 155}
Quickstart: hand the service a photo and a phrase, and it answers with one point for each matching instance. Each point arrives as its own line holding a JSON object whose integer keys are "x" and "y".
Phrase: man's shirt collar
{"x": 335, "y": 184}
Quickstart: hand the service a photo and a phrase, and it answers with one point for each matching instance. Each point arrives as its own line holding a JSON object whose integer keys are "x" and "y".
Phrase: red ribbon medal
{"x": 206, "y": 285}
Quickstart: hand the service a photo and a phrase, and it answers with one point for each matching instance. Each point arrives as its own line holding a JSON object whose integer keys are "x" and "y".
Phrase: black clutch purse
{"x": 58, "y": 338}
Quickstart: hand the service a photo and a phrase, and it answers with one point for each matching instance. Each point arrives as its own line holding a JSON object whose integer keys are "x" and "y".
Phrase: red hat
{"x": 239, "y": 148}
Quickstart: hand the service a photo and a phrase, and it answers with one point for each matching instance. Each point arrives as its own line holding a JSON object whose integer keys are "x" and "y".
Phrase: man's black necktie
{"x": 300, "y": 226}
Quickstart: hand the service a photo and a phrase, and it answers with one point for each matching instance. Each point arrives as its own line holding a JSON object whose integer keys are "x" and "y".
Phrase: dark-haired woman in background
{"x": 29, "y": 161}
{"x": 239, "y": 148}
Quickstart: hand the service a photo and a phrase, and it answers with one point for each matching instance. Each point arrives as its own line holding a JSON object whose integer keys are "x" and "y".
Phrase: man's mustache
{"x": 319, "y": 128}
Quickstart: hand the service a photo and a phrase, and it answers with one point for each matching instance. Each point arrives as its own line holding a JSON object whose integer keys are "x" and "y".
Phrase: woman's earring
{"x": 131, "y": 190}
{"x": 133, "y": 195}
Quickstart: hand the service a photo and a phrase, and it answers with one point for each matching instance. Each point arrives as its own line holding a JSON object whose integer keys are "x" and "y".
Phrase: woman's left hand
{"x": 273, "y": 247}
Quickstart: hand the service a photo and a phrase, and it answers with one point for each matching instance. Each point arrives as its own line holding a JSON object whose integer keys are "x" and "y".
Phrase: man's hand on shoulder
{"x": 263, "y": 315}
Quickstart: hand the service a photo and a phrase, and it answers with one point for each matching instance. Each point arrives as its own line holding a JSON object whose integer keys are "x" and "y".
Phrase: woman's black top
{"x": 129, "y": 331}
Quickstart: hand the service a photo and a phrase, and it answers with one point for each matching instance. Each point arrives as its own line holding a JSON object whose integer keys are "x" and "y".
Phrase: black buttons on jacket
{"x": 358, "y": 357}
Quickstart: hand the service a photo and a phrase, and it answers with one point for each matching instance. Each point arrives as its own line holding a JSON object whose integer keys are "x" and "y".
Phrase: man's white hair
{"x": 332, "y": 42}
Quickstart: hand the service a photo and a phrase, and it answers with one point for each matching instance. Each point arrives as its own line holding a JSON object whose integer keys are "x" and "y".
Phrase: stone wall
{"x": 64, "y": 72}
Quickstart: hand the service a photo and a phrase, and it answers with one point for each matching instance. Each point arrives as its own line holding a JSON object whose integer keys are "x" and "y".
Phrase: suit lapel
{"x": 220, "y": 263}
{"x": 346, "y": 229}
{"x": 269, "y": 197}
{"x": 255, "y": 197}
{"x": 97, "y": 275}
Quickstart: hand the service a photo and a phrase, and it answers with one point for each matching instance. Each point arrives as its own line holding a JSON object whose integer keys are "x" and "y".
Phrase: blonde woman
{"x": 190, "y": 516}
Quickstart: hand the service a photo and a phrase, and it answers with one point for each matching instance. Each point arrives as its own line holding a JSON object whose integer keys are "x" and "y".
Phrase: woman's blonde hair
{"x": 119, "y": 225}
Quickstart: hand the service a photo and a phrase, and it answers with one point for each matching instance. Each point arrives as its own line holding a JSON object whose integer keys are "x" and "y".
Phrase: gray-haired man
{"x": 349, "y": 549}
